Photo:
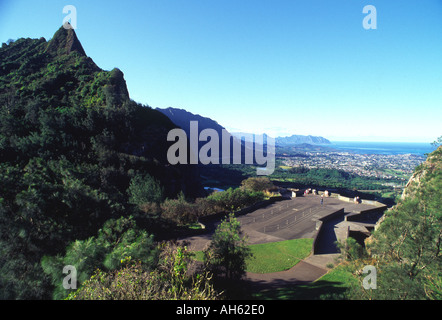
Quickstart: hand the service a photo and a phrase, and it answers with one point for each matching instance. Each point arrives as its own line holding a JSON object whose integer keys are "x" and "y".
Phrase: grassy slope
{"x": 274, "y": 256}
{"x": 278, "y": 256}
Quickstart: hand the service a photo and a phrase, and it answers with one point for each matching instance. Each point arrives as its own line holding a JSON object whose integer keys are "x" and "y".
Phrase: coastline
{"x": 386, "y": 148}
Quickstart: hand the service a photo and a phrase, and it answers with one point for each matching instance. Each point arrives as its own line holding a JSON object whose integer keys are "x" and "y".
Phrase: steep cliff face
{"x": 429, "y": 167}
{"x": 426, "y": 176}
{"x": 65, "y": 41}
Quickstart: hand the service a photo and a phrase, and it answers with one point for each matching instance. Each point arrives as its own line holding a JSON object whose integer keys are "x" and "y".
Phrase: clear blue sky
{"x": 280, "y": 67}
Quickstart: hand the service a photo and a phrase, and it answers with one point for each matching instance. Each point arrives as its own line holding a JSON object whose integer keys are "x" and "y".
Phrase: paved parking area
{"x": 293, "y": 219}
{"x": 285, "y": 220}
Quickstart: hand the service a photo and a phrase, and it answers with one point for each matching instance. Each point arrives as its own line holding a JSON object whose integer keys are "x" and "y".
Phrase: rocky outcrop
{"x": 432, "y": 163}
{"x": 65, "y": 41}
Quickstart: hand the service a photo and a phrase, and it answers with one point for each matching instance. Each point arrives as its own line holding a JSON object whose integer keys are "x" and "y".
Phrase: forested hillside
{"x": 406, "y": 247}
{"x": 75, "y": 152}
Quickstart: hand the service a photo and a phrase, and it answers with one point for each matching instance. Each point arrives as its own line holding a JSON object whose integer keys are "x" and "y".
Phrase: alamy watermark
{"x": 370, "y": 280}
{"x": 209, "y": 153}
{"x": 70, "y": 21}
{"x": 370, "y": 21}
{"x": 70, "y": 281}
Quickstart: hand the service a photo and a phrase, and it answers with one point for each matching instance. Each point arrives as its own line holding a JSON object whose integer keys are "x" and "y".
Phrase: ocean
{"x": 388, "y": 148}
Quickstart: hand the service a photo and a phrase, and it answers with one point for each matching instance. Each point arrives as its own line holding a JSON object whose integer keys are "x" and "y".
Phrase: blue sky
{"x": 280, "y": 67}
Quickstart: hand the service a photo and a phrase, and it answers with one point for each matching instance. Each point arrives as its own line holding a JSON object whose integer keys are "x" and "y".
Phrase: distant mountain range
{"x": 299, "y": 139}
{"x": 284, "y": 145}
{"x": 182, "y": 119}
{"x": 289, "y": 141}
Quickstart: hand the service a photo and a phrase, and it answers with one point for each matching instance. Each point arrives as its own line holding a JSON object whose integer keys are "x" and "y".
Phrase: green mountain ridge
{"x": 71, "y": 144}
{"x": 58, "y": 75}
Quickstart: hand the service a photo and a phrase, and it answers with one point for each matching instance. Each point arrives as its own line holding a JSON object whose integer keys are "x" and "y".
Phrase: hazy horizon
{"x": 339, "y": 139}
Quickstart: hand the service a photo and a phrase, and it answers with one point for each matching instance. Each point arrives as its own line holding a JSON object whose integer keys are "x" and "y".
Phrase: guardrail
{"x": 260, "y": 204}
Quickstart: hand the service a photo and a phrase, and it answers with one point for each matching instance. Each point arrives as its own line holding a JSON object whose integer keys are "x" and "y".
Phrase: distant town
{"x": 387, "y": 167}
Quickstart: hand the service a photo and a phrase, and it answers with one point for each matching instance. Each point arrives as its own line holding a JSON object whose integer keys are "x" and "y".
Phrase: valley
{"x": 393, "y": 169}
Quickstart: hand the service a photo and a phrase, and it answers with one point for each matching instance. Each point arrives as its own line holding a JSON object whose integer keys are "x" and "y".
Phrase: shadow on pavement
{"x": 319, "y": 290}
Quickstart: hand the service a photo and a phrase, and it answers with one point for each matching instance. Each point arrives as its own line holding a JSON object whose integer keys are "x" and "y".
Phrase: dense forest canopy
{"x": 73, "y": 150}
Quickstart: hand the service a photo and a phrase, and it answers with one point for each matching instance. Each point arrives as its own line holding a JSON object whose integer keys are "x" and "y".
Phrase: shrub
{"x": 255, "y": 184}
{"x": 144, "y": 189}
{"x": 116, "y": 241}
{"x": 179, "y": 210}
{"x": 234, "y": 199}
{"x": 228, "y": 250}
{"x": 170, "y": 281}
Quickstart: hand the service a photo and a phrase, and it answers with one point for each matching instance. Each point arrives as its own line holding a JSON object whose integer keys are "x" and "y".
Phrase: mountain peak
{"x": 65, "y": 41}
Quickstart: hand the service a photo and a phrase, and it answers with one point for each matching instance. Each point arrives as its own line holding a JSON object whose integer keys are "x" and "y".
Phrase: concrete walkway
{"x": 307, "y": 270}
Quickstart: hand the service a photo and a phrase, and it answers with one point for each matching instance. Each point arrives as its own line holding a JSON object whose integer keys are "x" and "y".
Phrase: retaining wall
{"x": 319, "y": 224}
{"x": 364, "y": 214}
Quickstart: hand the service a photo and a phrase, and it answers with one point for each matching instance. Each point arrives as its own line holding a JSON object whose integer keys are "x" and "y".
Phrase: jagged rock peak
{"x": 118, "y": 83}
{"x": 65, "y": 41}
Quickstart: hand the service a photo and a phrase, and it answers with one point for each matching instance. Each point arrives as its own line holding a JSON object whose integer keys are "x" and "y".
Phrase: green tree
{"x": 234, "y": 199}
{"x": 437, "y": 142}
{"x": 144, "y": 189}
{"x": 228, "y": 251}
{"x": 350, "y": 249}
{"x": 117, "y": 240}
{"x": 407, "y": 244}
